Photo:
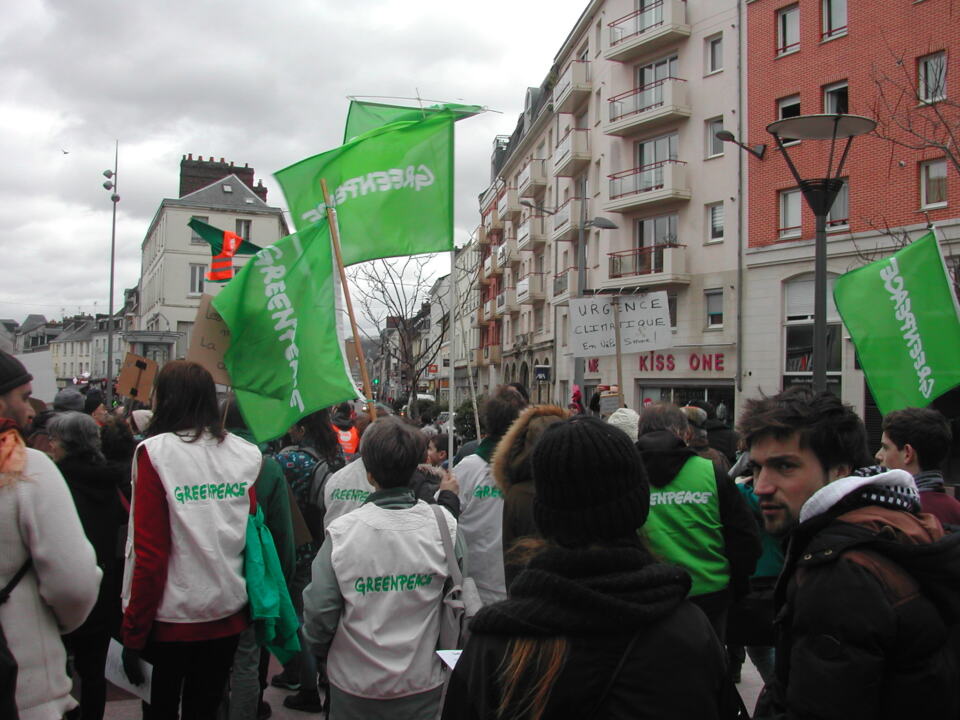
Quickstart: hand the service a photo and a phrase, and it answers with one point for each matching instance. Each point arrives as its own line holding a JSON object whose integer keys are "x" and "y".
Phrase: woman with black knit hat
{"x": 594, "y": 626}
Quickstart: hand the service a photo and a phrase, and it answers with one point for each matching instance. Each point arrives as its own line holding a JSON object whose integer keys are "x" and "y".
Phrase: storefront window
{"x": 798, "y": 334}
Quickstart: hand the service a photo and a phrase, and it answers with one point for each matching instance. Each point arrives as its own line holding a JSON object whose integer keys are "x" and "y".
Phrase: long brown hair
{"x": 186, "y": 402}
{"x": 527, "y": 676}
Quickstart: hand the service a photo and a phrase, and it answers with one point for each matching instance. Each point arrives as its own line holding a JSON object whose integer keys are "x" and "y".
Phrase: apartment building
{"x": 174, "y": 259}
{"x": 892, "y": 61}
{"x": 622, "y": 128}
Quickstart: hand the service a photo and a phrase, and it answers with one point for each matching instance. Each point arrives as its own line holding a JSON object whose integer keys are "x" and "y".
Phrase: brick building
{"x": 828, "y": 56}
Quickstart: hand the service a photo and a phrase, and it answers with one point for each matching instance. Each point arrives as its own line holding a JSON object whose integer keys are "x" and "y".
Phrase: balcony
{"x": 532, "y": 179}
{"x": 492, "y": 222}
{"x": 565, "y": 284}
{"x": 491, "y": 354}
{"x": 566, "y": 221}
{"x": 573, "y": 88}
{"x": 530, "y": 289}
{"x": 507, "y": 253}
{"x": 522, "y": 340}
{"x": 488, "y": 307}
{"x": 508, "y": 206}
{"x": 572, "y": 153}
{"x": 657, "y": 265}
{"x": 482, "y": 237}
{"x": 531, "y": 233}
{"x": 479, "y": 317}
{"x": 643, "y": 31}
{"x": 641, "y": 109}
{"x": 507, "y": 302}
{"x": 478, "y": 360}
{"x": 649, "y": 185}
{"x": 496, "y": 268}
{"x": 488, "y": 265}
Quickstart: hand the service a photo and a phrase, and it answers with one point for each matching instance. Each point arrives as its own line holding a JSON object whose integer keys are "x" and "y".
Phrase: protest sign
{"x": 136, "y": 377}
{"x": 644, "y": 324}
{"x": 209, "y": 340}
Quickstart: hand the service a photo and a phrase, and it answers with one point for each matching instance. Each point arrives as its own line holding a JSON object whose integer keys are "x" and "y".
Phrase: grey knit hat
{"x": 627, "y": 420}
{"x": 68, "y": 399}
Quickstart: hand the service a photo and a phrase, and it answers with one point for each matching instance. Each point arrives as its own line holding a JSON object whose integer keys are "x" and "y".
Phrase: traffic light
{"x": 376, "y": 381}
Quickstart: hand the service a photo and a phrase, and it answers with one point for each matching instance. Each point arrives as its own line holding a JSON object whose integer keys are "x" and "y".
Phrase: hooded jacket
{"x": 664, "y": 455}
{"x": 864, "y": 604}
{"x": 511, "y": 472}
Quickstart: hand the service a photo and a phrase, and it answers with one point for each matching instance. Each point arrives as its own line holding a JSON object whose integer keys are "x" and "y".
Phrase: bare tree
{"x": 392, "y": 294}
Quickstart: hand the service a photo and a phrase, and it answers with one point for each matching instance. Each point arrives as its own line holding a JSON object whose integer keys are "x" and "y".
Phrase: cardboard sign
{"x": 209, "y": 340}
{"x": 136, "y": 377}
{"x": 644, "y": 324}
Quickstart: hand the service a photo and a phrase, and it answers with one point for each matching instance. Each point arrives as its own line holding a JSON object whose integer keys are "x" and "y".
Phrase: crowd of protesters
{"x": 626, "y": 565}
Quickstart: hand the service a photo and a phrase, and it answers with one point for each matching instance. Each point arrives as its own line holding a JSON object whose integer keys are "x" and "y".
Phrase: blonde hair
{"x": 527, "y": 676}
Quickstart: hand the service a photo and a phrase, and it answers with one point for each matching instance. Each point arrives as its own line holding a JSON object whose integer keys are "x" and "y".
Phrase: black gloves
{"x": 131, "y": 665}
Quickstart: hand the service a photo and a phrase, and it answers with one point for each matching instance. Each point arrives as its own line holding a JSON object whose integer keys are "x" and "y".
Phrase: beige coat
{"x": 38, "y": 520}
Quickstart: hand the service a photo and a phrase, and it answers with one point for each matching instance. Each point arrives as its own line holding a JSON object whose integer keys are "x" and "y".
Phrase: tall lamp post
{"x": 111, "y": 185}
{"x": 598, "y": 222}
{"x": 819, "y": 194}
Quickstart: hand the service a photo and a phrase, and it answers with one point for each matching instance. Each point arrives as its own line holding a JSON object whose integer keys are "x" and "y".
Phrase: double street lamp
{"x": 111, "y": 186}
{"x": 819, "y": 194}
{"x": 597, "y": 222}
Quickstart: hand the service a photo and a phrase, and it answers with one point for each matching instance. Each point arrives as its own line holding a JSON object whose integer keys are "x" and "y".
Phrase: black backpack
{"x": 315, "y": 507}
{"x": 8, "y": 663}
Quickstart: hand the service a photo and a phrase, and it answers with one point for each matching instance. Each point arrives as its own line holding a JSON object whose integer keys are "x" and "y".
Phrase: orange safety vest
{"x": 349, "y": 441}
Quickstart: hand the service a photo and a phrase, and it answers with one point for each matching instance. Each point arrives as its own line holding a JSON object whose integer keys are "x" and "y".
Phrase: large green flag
{"x": 286, "y": 354}
{"x": 392, "y": 187}
{"x": 902, "y": 317}
{"x": 362, "y": 117}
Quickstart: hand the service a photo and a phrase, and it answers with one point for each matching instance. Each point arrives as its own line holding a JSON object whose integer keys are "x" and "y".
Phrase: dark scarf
{"x": 586, "y": 592}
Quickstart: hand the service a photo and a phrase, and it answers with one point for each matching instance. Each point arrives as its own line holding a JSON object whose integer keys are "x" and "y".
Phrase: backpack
{"x": 315, "y": 508}
{"x": 8, "y": 663}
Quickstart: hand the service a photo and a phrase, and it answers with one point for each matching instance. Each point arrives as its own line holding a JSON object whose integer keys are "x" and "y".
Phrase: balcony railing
{"x": 656, "y": 25}
{"x": 573, "y": 87}
{"x": 640, "y": 100}
{"x": 637, "y": 22}
{"x": 561, "y": 281}
{"x": 639, "y": 261}
{"x": 641, "y": 179}
{"x": 572, "y": 151}
{"x": 533, "y": 176}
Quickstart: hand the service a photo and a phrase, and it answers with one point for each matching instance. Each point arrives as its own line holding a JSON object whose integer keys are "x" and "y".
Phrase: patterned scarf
{"x": 13, "y": 452}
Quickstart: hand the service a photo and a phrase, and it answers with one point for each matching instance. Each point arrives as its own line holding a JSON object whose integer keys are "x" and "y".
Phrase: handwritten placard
{"x": 136, "y": 377}
{"x": 209, "y": 340}
{"x": 644, "y": 324}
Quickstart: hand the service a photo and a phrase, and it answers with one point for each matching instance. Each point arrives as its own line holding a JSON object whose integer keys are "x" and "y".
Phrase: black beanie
{"x": 12, "y": 373}
{"x": 590, "y": 483}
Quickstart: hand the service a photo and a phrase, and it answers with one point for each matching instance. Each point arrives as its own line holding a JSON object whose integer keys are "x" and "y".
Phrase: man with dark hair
{"x": 372, "y": 608}
{"x": 720, "y": 436}
{"x": 698, "y": 520}
{"x": 481, "y": 501}
{"x": 868, "y": 580}
{"x": 917, "y": 440}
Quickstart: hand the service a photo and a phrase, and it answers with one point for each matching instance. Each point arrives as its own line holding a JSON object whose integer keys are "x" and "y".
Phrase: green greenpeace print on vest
{"x": 391, "y": 583}
{"x": 209, "y": 491}
{"x": 286, "y": 349}
{"x": 350, "y": 494}
{"x": 902, "y": 318}
{"x": 392, "y": 187}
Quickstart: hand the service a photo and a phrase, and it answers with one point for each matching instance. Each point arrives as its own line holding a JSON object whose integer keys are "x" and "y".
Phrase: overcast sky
{"x": 252, "y": 82}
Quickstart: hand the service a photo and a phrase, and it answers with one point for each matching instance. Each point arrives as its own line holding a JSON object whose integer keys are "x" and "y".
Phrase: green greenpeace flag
{"x": 902, "y": 317}
{"x": 286, "y": 354}
{"x": 363, "y": 117}
{"x": 392, "y": 187}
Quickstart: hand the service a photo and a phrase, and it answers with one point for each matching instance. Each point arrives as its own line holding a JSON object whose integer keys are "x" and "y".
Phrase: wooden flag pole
{"x": 616, "y": 330}
{"x": 335, "y": 236}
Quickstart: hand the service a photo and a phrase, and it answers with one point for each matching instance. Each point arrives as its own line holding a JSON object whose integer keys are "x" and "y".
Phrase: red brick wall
{"x": 884, "y": 179}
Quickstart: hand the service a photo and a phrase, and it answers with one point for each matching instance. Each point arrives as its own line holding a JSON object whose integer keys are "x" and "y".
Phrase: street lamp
{"x": 597, "y": 222}
{"x": 758, "y": 151}
{"x": 111, "y": 184}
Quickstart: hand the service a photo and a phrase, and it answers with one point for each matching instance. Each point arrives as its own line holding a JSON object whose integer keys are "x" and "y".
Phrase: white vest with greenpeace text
{"x": 481, "y": 522}
{"x": 390, "y": 568}
{"x": 206, "y": 483}
{"x": 346, "y": 490}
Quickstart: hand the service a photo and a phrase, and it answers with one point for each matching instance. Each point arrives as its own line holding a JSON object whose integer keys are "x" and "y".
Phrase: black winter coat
{"x": 862, "y": 604}
{"x": 599, "y": 599}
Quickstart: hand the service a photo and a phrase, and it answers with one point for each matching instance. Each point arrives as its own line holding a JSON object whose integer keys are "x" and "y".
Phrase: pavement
{"x": 121, "y": 706}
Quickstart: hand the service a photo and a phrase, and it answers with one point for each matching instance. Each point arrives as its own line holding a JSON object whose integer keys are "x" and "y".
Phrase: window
{"x": 799, "y": 302}
{"x": 932, "y": 77}
{"x": 933, "y": 183}
{"x": 661, "y": 230}
{"x": 243, "y": 229}
{"x": 715, "y": 222}
{"x": 194, "y": 237}
{"x": 713, "y": 300}
{"x": 714, "y": 145}
{"x": 788, "y": 30}
{"x": 713, "y": 53}
{"x": 790, "y": 213}
{"x": 196, "y": 279}
{"x": 834, "y": 19}
{"x": 839, "y": 216}
{"x": 835, "y": 99}
{"x": 788, "y": 107}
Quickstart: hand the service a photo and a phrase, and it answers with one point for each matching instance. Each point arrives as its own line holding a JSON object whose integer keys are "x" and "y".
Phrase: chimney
{"x": 200, "y": 173}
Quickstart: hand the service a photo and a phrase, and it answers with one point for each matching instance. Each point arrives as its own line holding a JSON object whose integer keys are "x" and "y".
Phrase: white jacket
{"x": 481, "y": 522}
{"x": 206, "y": 484}
{"x": 390, "y": 567}
{"x": 38, "y": 520}
{"x": 345, "y": 491}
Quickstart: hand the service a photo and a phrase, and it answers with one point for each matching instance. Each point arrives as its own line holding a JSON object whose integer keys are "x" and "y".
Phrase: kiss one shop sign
{"x": 697, "y": 362}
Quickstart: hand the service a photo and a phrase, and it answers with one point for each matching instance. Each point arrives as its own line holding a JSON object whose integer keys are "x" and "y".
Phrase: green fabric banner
{"x": 392, "y": 187}
{"x": 286, "y": 352}
{"x": 362, "y": 117}
{"x": 902, "y": 317}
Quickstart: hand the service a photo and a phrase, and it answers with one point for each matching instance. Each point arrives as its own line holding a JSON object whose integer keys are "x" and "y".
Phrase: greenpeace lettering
{"x": 285, "y": 321}
{"x": 895, "y": 286}
{"x": 680, "y": 498}
{"x": 391, "y": 583}
{"x": 487, "y": 491}
{"x": 414, "y": 177}
{"x": 349, "y": 494}
{"x": 209, "y": 491}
